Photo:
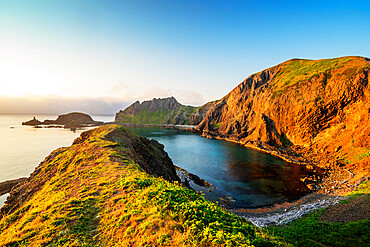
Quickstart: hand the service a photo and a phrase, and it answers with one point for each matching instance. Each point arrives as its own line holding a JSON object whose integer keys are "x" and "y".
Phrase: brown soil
{"x": 355, "y": 209}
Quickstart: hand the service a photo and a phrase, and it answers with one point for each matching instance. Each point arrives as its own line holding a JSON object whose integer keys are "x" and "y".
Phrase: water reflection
{"x": 250, "y": 177}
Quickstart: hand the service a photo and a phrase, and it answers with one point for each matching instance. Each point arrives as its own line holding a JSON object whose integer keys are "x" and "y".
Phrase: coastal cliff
{"x": 159, "y": 111}
{"x": 112, "y": 188}
{"x": 314, "y": 111}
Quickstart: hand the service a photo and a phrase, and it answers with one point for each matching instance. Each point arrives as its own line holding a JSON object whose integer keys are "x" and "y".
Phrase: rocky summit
{"x": 160, "y": 111}
{"x": 314, "y": 111}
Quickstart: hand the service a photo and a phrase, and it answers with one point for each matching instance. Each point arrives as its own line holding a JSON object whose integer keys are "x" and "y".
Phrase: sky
{"x": 100, "y": 56}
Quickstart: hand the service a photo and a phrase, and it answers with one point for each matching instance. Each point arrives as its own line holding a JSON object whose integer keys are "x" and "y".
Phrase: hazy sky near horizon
{"x": 100, "y": 56}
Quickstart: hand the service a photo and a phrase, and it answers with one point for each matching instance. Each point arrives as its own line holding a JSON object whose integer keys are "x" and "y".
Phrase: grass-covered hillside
{"x": 296, "y": 71}
{"x": 156, "y": 111}
{"x": 98, "y": 192}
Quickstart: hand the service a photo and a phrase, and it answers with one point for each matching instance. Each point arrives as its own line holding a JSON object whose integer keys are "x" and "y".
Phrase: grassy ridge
{"x": 158, "y": 117}
{"x": 295, "y": 71}
{"x": 100, "y": 197}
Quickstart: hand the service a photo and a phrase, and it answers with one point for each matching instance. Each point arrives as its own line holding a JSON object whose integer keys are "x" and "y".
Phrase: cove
{"x": 251, "y": 178}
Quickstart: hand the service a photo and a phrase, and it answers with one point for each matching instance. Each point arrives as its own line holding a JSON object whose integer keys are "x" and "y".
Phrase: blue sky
{"x": 121, "y": 51}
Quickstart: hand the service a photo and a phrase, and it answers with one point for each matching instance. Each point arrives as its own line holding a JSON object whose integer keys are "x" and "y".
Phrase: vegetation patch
{"x": 310, "y": 231}
{"x": 296, "y": 71}
{"x": 313, "y": 231}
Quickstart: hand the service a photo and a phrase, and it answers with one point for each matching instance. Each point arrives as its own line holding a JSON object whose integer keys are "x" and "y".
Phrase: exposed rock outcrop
{"x": 32, "y": 122}
{"x": 315, "y": 109}
{"x": 157, "y": 111}
{"x": 200, "y": 113}
{"x": 6, "y": 186}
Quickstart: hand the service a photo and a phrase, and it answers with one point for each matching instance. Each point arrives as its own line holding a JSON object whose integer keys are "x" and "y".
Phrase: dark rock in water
{"x": 6, "y": 187}
{"x": 192, "y": 177}
{"x": 71, "y": 120}
{"x": 32, "y": 122}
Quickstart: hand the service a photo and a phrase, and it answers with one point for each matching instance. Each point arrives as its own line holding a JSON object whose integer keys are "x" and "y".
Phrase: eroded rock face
{"x": 156, "y": 111}
{"x": 314, "y": 105}
{"x": 6, "y": 186}
{"x": 262, "y": 109}
{"x": 199, "y": 114}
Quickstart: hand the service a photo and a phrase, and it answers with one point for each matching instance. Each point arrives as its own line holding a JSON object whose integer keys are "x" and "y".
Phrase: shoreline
{"x": 261, "y": 149}
{"x": 283, "y": 213}
{"x": 167, "y": 126}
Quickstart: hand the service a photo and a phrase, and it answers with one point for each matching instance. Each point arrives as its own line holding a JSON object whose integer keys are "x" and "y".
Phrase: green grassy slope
{"x": 311, "y": 231}
{"x": 295, "y": 71}
{"x": 159, "y": 117}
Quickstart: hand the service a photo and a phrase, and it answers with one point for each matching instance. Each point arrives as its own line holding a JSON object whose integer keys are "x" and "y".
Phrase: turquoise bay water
{"x": 251, "y": 178}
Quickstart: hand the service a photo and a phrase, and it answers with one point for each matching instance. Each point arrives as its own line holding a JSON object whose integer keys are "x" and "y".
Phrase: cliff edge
{"x": 314, "y": 111}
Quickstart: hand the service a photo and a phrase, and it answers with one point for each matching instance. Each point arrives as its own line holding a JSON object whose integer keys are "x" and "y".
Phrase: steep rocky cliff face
{"x": 320, "y": 107}
{"x": 157, "y": 111}
{"x": 200, "y": 113}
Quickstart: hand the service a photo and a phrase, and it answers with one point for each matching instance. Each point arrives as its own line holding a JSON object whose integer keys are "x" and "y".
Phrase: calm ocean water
{"x": 22, "y": 148}
{"x": 249, "y": 177}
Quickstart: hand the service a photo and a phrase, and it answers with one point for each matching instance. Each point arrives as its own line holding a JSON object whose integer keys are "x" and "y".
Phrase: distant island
{"x": 71, "y": 120}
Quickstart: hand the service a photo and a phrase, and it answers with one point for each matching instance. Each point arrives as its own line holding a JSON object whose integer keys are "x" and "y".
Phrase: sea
{"x": 22, "y": 148}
